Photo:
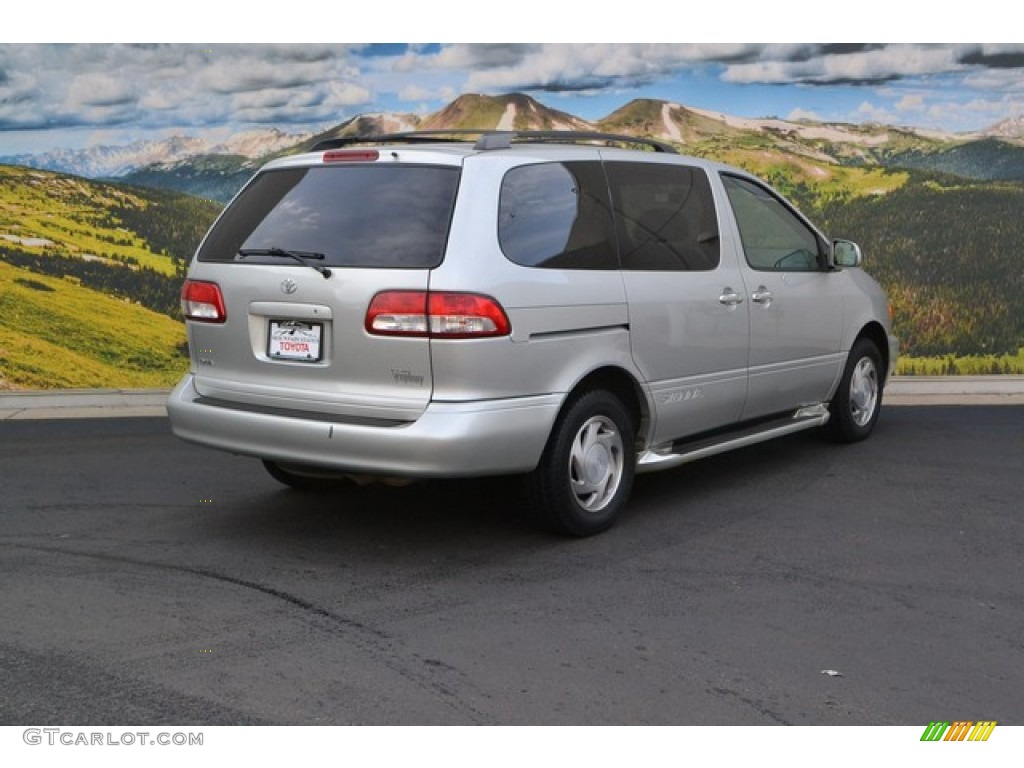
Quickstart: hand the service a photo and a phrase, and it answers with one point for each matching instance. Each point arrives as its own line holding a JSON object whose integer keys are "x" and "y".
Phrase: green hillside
{"x": 946, "y": 251}
{"x": 213, "y": 177}
{"x": 103, "y": 223}
{"x": 55, "y": 333}
{"x": 985, "y": 159}
{"x": 121, "y": 240}
{"x": 90, "y": 275}
{"x": 468, "y": 111}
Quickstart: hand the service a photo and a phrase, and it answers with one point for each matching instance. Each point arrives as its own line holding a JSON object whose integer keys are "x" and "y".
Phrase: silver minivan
{"x": 563, "y": 306}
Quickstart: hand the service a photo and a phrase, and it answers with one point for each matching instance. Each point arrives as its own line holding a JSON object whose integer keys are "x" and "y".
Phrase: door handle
{"x": 762, "y": 296}
{"x": 730, "y": 298}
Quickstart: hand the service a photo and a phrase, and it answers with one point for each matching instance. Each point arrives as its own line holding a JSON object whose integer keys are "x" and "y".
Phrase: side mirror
{"x": 846, "y": 253}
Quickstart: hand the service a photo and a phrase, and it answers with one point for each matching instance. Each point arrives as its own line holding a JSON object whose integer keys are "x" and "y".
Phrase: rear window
{"x": 356, "y": 216}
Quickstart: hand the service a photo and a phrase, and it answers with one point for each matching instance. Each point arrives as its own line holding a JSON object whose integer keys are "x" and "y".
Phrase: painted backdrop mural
{"x": 115, "y": 158}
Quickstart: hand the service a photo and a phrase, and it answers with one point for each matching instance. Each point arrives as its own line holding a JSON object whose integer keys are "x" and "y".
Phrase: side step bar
{"x": 668, "y": 456}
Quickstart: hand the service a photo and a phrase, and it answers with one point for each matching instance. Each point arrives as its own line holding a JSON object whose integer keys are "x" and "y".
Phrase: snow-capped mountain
{"x": 1010, "y": 128}
{"x": 257, "y": 143}
{"x": 116, "y": 161}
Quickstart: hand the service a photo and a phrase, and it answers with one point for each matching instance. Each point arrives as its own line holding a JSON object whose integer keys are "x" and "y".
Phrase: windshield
{"x": 356, "y": 216}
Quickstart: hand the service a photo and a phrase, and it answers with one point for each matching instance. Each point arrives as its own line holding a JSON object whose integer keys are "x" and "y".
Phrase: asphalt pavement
{"x": 146, "y": 580}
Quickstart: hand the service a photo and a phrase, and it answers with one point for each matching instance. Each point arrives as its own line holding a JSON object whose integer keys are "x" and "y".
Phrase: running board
{"x": 668, "y": 456}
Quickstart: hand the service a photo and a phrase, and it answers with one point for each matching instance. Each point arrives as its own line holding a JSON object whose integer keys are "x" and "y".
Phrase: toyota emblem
{"x": 289, "y": 286}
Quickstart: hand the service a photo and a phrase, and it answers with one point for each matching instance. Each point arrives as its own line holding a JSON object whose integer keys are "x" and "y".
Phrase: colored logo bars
{"x": 961, "y": 730}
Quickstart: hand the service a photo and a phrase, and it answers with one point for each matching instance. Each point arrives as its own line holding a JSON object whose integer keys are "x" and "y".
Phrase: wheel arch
{"x": 875, "y": 333}
{"x": 625, "y": 387}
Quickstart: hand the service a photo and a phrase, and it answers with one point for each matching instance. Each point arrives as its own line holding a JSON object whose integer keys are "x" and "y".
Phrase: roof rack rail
{"x": 494, "y": 139}
{"x": 504, "y": 139}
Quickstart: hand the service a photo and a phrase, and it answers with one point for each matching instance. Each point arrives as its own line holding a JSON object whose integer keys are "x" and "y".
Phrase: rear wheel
{"x": 586, "y": 473}
{"x": 857, "y": 403}
{"x": 303, "y": 478}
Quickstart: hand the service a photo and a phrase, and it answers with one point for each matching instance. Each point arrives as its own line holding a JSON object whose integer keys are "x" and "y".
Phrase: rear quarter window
{"x": 393, "y": 216}
{"x": 557, "y": 215}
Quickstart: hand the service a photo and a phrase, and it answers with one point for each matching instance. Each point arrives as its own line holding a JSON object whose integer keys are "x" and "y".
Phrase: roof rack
{"x": 492, "y": 139}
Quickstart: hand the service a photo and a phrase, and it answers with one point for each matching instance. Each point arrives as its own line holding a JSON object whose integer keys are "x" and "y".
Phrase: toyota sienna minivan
{"x": 566, "y": 307}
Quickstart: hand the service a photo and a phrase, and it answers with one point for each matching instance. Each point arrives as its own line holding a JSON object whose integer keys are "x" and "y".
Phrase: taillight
{"x": 437, "y": 314}
{"x": 202, "y": 302}
{"x": 398, "y": 313}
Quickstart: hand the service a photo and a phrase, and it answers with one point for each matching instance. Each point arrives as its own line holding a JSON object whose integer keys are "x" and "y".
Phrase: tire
{"x": 858, "y": 401}
{"x": 303, "y": 478}
{"x": 585, "y": 475}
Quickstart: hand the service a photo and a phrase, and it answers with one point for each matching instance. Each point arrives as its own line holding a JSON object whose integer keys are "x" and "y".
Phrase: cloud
{"x": 163, "y": 86}
{"x": 415, "y": 93}
{"x": 803, "y": 114}
{"x": 153, "y": 86}
{"x": 996, "y": 80}
{"x": 912, "y": 102}
{"x": 343, "y": 94}
{"x": 875, "y": 114}
{"x": 845, "y": 66}
{"x": 994, "y": 55}
{"x": 559, "y": 67}
{"x": 99, "y": 89}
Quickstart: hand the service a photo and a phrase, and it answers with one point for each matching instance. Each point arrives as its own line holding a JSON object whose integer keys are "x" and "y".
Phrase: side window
{"x": 664, "y": 216}
{"x": 774, "y": 238}
{"x": 556, "y": 215}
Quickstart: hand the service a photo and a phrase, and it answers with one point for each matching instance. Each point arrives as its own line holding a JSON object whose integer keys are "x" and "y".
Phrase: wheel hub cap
{"x": 596, "y": 463}
{"x": 864, "y": 392}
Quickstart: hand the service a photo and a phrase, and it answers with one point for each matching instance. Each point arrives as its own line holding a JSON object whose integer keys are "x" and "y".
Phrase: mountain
{"x": 116, "y": 161}
{"x": 111, "y": 161}
{"x": 257, "y": 144}
{"x": 219, "y": 177}
{"x": 210, "y": 177}
{"x": 812, "y": 149}
{"x": 369, "y": 124}
{"x": 665, "y": 120}
{"x": 815, "y": 152}
{"x": 1011, "y": 129}
{"x": 511, "y": 111}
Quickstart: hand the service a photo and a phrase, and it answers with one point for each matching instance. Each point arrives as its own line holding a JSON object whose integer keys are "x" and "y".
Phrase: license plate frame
{"x": 295, "y": 341}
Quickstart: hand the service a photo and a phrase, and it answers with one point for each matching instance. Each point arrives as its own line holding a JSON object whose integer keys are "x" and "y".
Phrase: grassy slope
{"x": 59, "y": 333}
{"x": 72, "y": 336}
{"x": 75, "y": 214}
{"x": 470, "y": 111}
{"x": 966, "y": 365}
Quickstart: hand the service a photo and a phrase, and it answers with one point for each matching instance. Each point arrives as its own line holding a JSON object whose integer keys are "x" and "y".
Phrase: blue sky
{"x": 82, "y": 94}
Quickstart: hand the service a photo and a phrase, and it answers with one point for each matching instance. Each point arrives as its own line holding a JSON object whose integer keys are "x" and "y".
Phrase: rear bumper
{"x": 488, "y": 437}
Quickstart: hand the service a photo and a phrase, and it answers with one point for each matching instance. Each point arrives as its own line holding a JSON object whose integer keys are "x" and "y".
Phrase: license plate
{"x": 294, "y": 340}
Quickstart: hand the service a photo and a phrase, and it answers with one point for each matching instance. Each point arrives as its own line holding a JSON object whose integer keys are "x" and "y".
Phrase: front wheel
{"x": 858, "y": 401}
{"x": 586, "y": 473}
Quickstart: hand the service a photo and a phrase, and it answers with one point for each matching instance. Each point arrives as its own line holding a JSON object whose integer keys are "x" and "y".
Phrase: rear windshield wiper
{"x": 299, "y": 256}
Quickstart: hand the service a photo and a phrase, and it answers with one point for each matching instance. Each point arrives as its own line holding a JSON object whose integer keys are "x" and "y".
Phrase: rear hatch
{"x": 296, "y": 261}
